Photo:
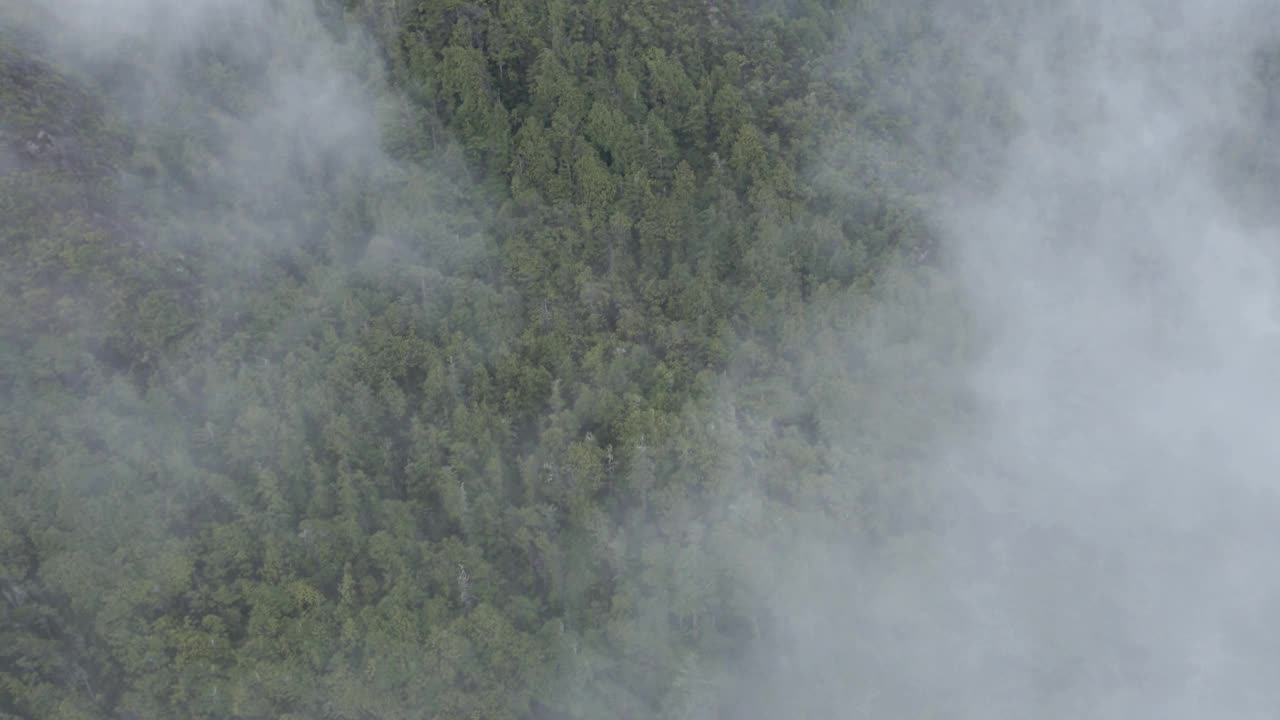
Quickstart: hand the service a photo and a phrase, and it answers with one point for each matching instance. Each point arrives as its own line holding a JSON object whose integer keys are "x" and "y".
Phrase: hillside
{"x": 494, "y": 359}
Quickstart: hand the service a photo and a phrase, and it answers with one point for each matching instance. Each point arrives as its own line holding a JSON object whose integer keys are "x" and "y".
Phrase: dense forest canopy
{"x": 539, "y": 359}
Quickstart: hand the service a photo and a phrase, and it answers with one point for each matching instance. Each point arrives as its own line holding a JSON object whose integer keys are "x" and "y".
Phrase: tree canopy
{"x": 457, "y": 359}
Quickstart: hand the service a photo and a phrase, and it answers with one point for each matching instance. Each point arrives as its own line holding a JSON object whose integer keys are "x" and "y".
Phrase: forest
{"x": 508, "y": 359}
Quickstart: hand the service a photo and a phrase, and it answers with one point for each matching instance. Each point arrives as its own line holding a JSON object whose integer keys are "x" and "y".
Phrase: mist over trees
{"x": 541, "y": 359}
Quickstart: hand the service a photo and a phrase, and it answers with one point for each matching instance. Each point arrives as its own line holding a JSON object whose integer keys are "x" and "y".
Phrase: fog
{"x": 267, "y": 124}
{"x": 254, "y": 152}
{"x": 1107, "y": 528}
{"x": 1077, "y": 395}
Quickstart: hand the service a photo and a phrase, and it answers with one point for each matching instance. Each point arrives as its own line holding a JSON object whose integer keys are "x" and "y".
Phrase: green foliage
{"x": 477, "y": 431}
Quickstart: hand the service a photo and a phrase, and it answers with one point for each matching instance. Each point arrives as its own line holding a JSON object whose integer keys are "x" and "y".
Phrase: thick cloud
{"x": 1107, "y": 526}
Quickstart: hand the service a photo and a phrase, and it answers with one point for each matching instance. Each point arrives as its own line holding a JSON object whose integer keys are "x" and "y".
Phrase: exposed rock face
{"x": 51, "y": 120}
{"x": 65, "y": 152}
{"x": 42, "y": 145}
